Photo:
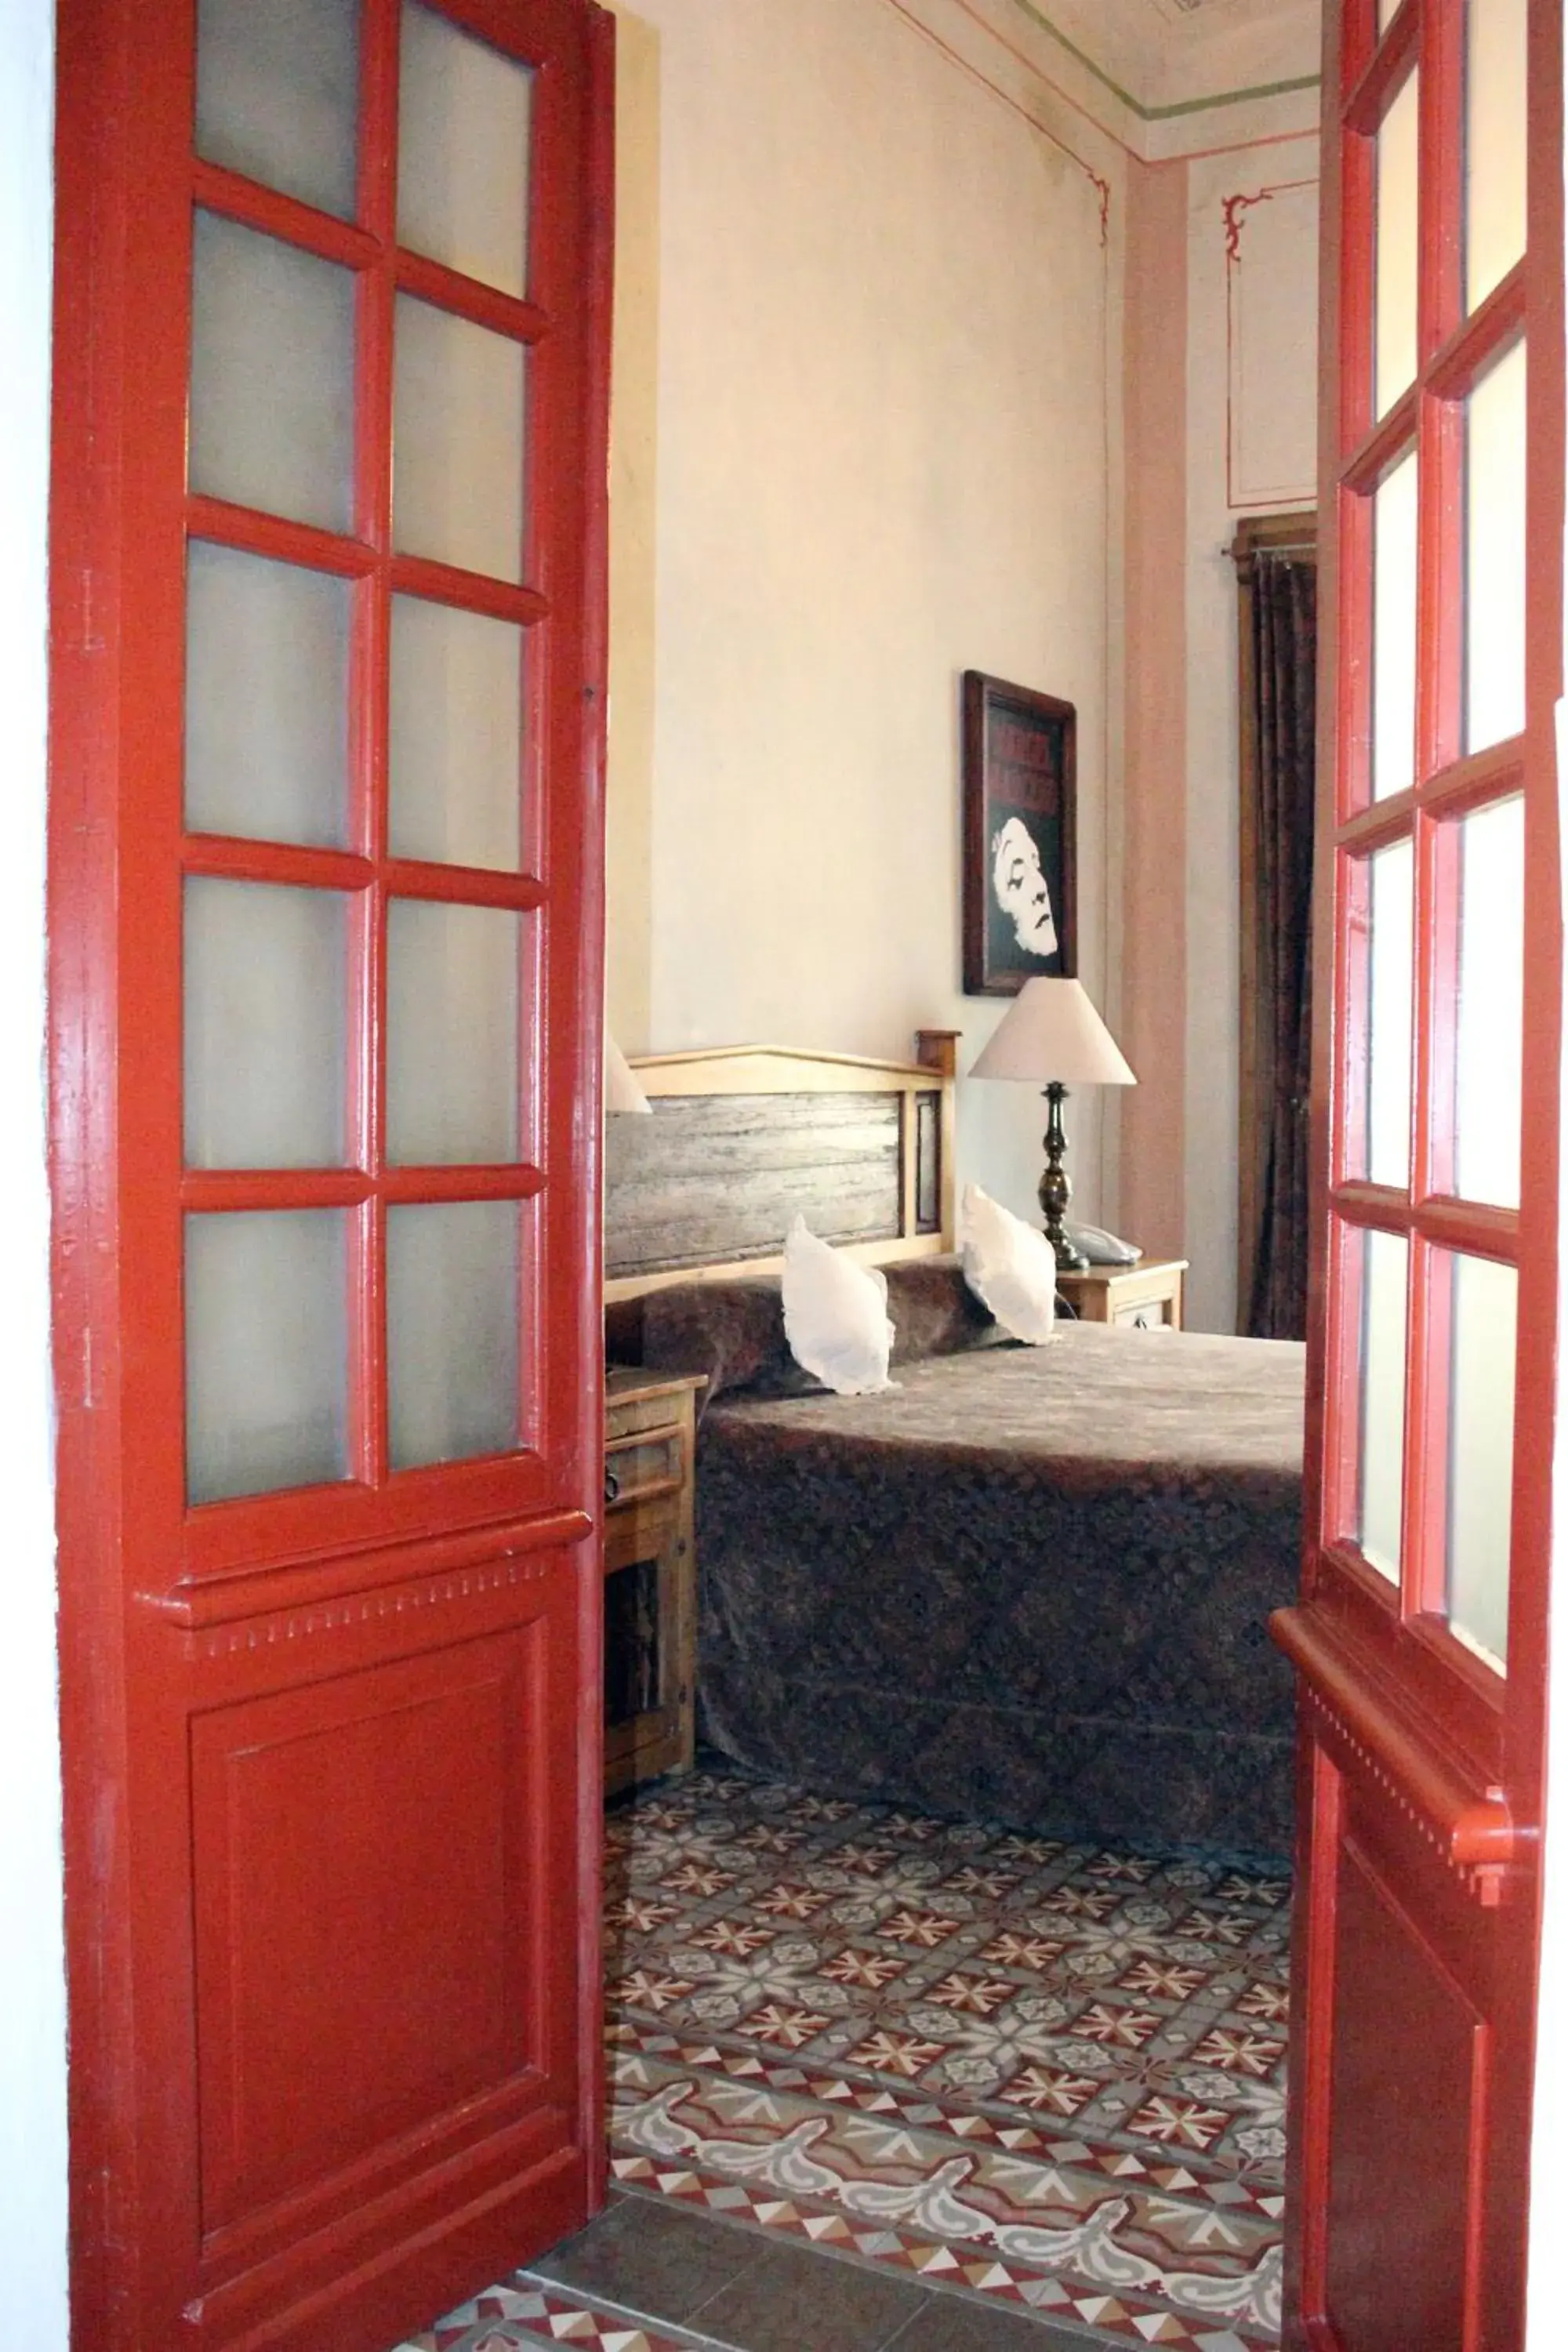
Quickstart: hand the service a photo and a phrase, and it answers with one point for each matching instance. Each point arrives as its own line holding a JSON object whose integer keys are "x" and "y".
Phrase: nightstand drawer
{"x": 639, "y": 1530}
{"x": 641, "y": 1466}
{"x": 1145, "y": 1315}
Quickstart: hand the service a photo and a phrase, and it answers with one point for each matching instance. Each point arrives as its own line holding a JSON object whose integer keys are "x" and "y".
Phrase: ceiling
{"x": 1168, "y": 54}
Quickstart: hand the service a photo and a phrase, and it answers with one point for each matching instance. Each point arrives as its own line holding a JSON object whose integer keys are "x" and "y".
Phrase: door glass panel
{"x": 465, "y": 112}
{"x": 1488, "y": 1016}
{"x": 267, "y": 672}
{"x": 452, "y": 1308}
{"x": 458, "y": 438}
{"x": 1390, "y": 1002}
{"x": 1495, "y": 142}
{"x": 1494, "y": 554}
{"x": 1398, "y": 158}
{"x": 452, "y": 1033}
{"x": 1385, "y": 1275}
{"x": 1483, "y": 1311}
{"x": 1386, "y": 12}
{"x": 264, "y": 986}
{"x": 276, "y": 94}
{"x": 456, "y": 735}
{"x": 1393, "y": 631}
{"x": 265, "y": 1351}
{"x": 271, "y": 375}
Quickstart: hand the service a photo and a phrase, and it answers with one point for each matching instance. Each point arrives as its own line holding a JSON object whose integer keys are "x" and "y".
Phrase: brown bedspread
{"x": 1030, "y": 1585}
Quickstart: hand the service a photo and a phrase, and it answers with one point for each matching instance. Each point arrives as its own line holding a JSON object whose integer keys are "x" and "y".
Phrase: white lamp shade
{"x": 1051, "y": 1030}
{"x": 622, "y": 1091}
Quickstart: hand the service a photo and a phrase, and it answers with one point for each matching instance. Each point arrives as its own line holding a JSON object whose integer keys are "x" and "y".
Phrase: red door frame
{"x": 114, "y": 962}
{"x": 1421, "y": 1768}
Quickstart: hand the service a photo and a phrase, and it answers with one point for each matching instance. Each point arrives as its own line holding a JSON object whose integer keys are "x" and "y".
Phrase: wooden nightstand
{"x": 650, "y": 1575}
{"x": 1142, "y": 1297}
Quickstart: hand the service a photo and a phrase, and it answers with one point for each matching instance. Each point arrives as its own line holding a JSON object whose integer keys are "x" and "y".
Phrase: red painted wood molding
{"x": 203, "y": 1601}
{"x": 1468, "y": 1821}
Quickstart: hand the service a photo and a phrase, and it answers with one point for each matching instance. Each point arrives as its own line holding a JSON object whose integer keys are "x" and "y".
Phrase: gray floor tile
{"x": 656, "y": 2259}
{"x": 948, "y": 2324}
{"x": 794, "y": 2300}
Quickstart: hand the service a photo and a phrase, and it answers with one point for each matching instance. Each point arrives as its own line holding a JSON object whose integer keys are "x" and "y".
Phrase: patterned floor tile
{"x": 888, "y": 2065}
{"x": 521, "y": 2317}
{"x": 1044, "y": 2076}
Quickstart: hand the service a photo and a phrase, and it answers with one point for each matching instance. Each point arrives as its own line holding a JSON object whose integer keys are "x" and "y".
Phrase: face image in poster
{"x": 1022, "y": 919}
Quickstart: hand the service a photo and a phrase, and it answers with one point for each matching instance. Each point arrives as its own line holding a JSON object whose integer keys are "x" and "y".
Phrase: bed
{"x": 1029, "y": 1585}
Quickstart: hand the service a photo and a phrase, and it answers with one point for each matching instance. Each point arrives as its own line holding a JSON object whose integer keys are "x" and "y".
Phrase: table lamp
{"x": 1048, "y": 1034}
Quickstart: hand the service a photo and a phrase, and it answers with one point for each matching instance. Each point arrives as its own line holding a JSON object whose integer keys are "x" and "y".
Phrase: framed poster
{"x": 1019, "y": 792}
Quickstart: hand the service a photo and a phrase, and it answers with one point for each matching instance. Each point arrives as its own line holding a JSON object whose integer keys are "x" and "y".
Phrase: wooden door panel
{"x": 353, "y": 2286}
{"x": 333, "y": 1751}
{"x": 1399, "y": 2227}
{"x": 374, "y": 1852}
{"x": 1432, "y": 1352}
{"x": 363, "y": 1886}
{"x": 388, "y": 1987}
{"x": 1407, "y": 2100}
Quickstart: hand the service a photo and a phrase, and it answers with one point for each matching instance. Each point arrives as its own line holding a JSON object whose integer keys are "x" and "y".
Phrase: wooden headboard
{"x": 744, "y": 1137}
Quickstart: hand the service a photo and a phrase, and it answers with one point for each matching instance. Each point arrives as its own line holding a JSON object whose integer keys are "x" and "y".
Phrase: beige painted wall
{"x": 1150, "y": 994}
{"x": 1221, "y": 355}
{"x": 867, "y": 429}
{"x": 1252, "y": 347}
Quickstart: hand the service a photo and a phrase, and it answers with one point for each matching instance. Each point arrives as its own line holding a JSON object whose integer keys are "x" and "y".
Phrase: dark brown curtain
{"x": 1284, "y": 671}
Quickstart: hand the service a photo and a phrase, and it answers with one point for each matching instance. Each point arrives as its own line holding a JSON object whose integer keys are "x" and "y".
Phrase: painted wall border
{"x": 1234, "y": 210}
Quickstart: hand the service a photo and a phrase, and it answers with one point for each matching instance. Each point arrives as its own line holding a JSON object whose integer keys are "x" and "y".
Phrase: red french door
{"x": 1420, "y": 1635}
{"x": 326, "y": 936}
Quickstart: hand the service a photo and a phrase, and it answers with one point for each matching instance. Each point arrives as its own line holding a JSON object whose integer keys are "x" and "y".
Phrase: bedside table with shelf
{"x": 1146, "y": 1296}
{"x": 650, "y": 1575}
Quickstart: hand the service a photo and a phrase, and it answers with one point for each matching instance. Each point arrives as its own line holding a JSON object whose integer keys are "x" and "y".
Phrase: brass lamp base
{"x": 1056, "y": 1185}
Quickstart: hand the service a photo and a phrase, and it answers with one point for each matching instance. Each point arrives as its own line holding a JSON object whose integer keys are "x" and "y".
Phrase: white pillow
{"x": 1009, "y": 1264}
{"x": 835, "y": 1315}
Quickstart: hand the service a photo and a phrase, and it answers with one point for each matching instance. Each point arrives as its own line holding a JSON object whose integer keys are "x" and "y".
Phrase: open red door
{"x": 1420, "y": 1637}
{"x": 331, "y": 337}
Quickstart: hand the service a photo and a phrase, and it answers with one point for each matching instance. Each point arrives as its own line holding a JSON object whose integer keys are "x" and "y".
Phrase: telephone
{"x": 1102, "y": 1248}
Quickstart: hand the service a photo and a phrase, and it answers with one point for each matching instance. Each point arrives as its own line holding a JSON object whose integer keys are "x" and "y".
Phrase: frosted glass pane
{"x": 1390, "y": 1002}
{"x": 1393, "y": 524}
{"x": 456, "y": 735}
{"x": 1398, "y": 149}
{"x": 452, "y": 1309}
{"x": 1480, "y": 1452}
{"x": 1495, "y": 143}
{"x": 271, "y": 375}
{"x": 1490, "y": 1024}
{"x": 452, "y": 1033}
{"x": 265, "y": 1351}
{"x": 265, "y": 987}
{"x": 459, "y": 434}
{"x": 276, "y": 94}
{"x": 1386, "y": 1265}
{"x": 267, "y": 688}
{"x": 1494, "y": 554}
{"x": 465, "y": 113}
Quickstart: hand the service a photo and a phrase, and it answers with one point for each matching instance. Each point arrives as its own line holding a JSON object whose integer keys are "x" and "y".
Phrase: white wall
{"x": 1549, "y": 2131}
{"x": 883, "y": 330}
{"x": 1549, "y": 2137}
{"x": 32, "y": 1983}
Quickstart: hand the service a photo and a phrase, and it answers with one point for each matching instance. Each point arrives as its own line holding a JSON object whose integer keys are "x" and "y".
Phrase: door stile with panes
{"x": 1419, "y": 1638}
{"x": 326, "y": 912}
